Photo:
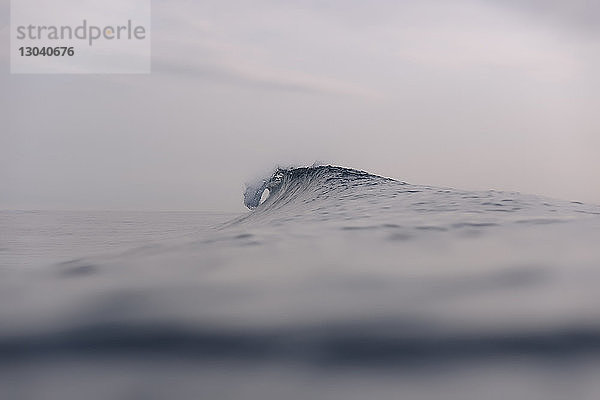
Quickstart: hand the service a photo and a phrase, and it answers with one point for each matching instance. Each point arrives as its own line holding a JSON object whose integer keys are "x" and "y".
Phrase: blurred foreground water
{"x": 341, "y": 285}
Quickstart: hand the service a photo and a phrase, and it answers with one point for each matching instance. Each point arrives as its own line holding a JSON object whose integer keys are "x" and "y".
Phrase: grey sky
{"x": 474, "y": 94}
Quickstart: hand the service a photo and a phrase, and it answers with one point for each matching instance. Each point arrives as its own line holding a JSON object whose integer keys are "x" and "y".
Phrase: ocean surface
{"x": 337, "y": 285}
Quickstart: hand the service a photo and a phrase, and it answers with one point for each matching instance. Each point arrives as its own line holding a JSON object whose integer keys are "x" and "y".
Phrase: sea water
{"x": 340, "y": 285}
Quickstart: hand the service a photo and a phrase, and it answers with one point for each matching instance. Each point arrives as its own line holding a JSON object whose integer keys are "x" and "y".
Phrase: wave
{"x": 293, "y": 183}
{"x": 327, "y": 193}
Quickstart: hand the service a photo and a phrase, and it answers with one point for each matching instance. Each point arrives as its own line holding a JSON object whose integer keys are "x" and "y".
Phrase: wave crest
{"x": 290, "y": 183}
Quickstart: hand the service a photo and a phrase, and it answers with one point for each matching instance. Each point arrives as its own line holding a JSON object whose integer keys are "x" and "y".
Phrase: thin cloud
{"x": 582, "y": 15}
{"x": 264, "y": 77}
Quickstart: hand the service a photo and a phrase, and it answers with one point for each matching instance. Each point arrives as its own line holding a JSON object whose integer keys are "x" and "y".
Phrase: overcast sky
{"x": 474, "y": 94}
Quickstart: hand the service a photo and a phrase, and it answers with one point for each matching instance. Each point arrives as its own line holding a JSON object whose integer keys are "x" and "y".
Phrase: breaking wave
{"x": 333, "y": 194}
{"x": 309, "y": 183}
